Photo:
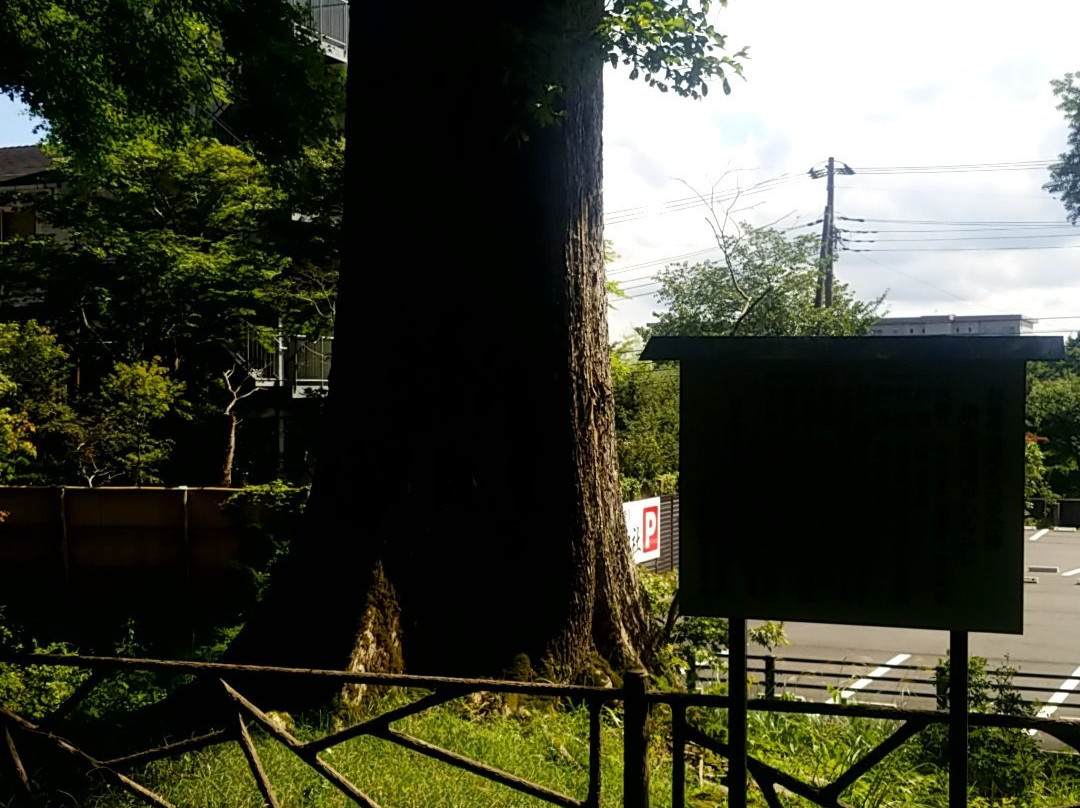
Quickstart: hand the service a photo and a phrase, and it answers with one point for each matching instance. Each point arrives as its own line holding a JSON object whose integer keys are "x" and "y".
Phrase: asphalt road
{"x": 1047, "y": 654}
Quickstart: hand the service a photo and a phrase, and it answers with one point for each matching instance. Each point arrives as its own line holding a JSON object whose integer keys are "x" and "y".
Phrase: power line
{"x": 934, "y": 237}
{"x": 1002, "y": 223}
{"x": 918, "y": 279}
{"x": 963, "y": 168}
{"x": 692, "y": 202}
{"x": 962, "y": 249}
{"x": 990, "y": 229}
{"x": 667, "y": 260}
{"x": 623, "y": 215}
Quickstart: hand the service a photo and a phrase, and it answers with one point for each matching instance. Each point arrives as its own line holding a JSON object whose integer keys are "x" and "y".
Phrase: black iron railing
{"x": 634, "y": 698}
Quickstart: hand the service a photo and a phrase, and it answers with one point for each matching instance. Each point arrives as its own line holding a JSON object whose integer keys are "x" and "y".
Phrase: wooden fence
{"x": 97, "y": 538}
{"x": 101, "y": 540}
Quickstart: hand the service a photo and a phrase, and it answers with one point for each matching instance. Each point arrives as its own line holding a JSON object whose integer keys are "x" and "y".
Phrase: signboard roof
{"x": 846, "y": 349}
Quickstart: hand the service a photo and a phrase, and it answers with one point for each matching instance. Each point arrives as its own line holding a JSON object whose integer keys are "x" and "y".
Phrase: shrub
{"x": 1002, "y": 762}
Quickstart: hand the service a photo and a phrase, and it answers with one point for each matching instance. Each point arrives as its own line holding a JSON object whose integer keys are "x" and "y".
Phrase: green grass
{"x": 550, "y": 747}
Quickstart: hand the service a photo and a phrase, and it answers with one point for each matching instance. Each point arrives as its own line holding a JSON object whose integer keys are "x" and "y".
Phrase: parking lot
{"x": 868, "y": 660}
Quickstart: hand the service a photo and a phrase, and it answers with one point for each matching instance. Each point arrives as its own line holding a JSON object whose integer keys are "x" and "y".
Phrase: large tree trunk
{"x": 466, "y": 505}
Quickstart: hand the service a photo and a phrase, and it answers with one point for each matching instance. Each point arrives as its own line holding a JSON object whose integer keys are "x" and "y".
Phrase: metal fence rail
{"x": 774, "y": 675}
{"x": 634, "y": 696}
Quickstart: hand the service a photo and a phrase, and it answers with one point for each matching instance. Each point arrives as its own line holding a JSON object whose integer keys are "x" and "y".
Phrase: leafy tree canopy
{"x": 646, "y": 423}
{"x": 1053, "y": 418}
{"x": 1065, "y": 175}
{"x": 37, "y": 425}
{"x": 160, "y": 254}
{"x": 109, "y": 436}
{"x": 119, "y": 444}
{"x": 1053, "y": 413}
{"x": 671, "y": 46}
{"x": 180, "y": 252}
{"x": 101, "y": 72}
{"x": 762, "y": 286}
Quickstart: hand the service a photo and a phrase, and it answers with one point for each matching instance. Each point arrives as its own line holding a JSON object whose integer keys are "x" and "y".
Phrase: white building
{"x": 953, "y": 325}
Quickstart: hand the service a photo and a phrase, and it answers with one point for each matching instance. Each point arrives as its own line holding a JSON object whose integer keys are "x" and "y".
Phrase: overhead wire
{"x": 933, "y": 231}
{"x": 963, "y": 168}
{"x": 926, "y": 283}
{"x": 624, "y": 215}
{"x": 619, "y": 216}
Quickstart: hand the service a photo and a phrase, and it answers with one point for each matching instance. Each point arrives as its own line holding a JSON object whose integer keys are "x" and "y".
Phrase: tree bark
{"x": 466, "y": 505}
{"x": 229, "y": 454}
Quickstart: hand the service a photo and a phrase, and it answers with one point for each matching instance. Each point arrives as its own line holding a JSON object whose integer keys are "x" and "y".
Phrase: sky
{"x": 895, "y": 91}
{"x": 902, "y": 93}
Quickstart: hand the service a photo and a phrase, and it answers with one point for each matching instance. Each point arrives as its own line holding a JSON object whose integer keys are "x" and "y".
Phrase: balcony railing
{"x": 298, "y": 362}
{"x": 330, "y": 19}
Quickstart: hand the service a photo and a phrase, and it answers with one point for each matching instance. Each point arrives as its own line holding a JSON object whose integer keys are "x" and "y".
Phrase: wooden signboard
{"x": 861, "y": 480}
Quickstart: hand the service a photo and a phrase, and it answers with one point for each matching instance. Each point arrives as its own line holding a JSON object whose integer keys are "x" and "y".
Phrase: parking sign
{"x": 643, "y": 528}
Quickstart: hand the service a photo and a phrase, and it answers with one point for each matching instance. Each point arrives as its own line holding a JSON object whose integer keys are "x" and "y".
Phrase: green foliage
{"x": 1053, "y": 412}
{"x": 37, "y": 425}
{"x": 309, "y": 235}
{"x": 763, "y": 286}
{"x": 268, "y": 517}
{"x": 104, "y": 72}
{"x": 17, "y": 448}
{"x": 687, "y": 642}
{"x": 1002, "y": 762}
{"x": 108, "y": 436}
{"x": 646, "y": 423}
{"x": 546, "y": 743}
{"x": 1036, "y": 484}
{"x": 33, "y": 691}
{"x": 163, "y": 250}
{"x": 1065, "y": 174}
{"x": 670, "y": 46}
{"x": 1053, "y": 420}
{"x": 180, "y": 253}
{"x": 821, "y": 747}
{"x": 174, "y": 242}
{"x": 546, "y": 747}
{"x": 120, "y": 445}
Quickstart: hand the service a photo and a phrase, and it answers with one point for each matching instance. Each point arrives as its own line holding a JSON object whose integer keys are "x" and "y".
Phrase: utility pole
{"x": 823, "y": 294}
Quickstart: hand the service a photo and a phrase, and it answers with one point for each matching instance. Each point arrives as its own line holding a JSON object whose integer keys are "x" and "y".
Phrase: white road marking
{"x": 881, "y": 670}
{"x": 1038, "y": 534}
{"x": 1071, "y": 573}
{"x": 1066, "y": 689}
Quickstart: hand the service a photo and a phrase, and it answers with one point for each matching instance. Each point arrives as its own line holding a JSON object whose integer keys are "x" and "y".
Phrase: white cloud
{"x": 917, "y": 84}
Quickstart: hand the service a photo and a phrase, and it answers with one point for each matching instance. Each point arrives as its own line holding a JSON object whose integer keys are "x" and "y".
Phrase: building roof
{"x": 20, "y": 163}
{"x": 957, "y": 318}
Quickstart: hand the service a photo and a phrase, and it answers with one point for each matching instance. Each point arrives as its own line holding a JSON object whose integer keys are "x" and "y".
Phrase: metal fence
{"x": 330, "y": 19}
{"x": 1061, "y": 513}
{"x": 634, "y": 698}
{"x": 904, "y": 685}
